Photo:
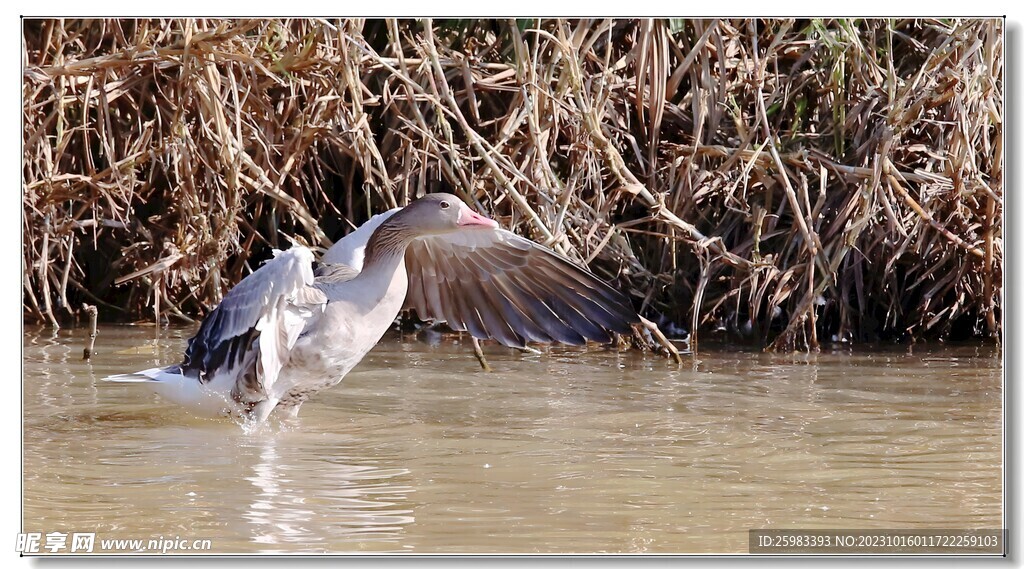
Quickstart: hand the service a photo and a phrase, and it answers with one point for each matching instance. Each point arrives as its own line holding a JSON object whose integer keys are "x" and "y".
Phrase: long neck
{"x": 383, "y": 269}
{"x": 386, "y": 246}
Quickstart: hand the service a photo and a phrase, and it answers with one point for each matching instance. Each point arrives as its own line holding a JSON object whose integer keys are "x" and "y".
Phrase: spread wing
{"x": 496, "y": 284}
{"x": 249, "y": 336}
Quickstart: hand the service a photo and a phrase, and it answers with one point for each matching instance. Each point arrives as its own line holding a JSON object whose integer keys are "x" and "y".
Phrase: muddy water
{"x": 570, "y": 451}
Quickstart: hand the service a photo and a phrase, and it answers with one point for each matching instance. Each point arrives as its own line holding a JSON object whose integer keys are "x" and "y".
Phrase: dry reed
{"x": 790, "y": 181}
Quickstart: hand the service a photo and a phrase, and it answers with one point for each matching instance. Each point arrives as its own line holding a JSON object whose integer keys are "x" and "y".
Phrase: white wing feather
{"x": 276, "y": 300}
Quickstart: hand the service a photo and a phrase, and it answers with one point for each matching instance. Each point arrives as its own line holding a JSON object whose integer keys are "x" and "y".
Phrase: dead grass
{"x": 796, "y": 182}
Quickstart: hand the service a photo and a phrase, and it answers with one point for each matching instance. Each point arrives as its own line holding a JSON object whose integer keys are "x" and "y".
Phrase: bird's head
{"x": 440, "y": 213}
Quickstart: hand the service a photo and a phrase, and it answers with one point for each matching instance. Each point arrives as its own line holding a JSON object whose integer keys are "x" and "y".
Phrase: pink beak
{"x": 470, "y": 217}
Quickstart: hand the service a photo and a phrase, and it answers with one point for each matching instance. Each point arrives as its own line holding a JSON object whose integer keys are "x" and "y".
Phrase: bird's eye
{"x": 445, "y": 205}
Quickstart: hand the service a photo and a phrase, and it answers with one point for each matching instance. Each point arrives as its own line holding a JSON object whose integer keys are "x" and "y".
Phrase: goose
{"x": 288, "y": 331}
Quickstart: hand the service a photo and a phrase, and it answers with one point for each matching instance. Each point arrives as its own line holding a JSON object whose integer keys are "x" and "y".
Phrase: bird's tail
{"x": 171, "y": 384}
{"x": 144, "y": 376}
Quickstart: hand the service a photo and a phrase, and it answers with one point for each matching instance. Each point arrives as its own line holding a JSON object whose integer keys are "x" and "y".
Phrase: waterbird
{"x": 287, "y": 331}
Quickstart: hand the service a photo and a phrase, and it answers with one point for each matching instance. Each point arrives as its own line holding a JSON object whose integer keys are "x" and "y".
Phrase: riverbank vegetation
{"x": 789, "y": 182}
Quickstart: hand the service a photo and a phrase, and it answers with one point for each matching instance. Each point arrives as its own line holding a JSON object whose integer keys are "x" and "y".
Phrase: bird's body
{"x": 284, "y": 333}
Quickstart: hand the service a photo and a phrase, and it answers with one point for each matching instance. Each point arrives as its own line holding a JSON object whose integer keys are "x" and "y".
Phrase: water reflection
{"x": 569, "y": 451}
{"x": 302, "y": 501}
